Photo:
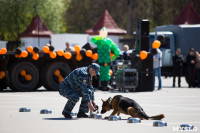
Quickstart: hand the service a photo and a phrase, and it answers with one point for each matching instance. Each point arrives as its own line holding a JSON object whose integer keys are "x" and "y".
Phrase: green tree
{"x": 76, "y": 16}
{"x": 83, "y": 14}
{"x": 16, "y": 15}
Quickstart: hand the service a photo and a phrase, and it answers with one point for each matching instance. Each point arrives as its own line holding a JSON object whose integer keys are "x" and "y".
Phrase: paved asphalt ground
{"x": 180, "y": 106}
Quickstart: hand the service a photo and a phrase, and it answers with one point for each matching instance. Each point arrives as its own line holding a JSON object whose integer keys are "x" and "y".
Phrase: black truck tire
{"x": 49, "y": 80}
{"x": 18, "y": 82}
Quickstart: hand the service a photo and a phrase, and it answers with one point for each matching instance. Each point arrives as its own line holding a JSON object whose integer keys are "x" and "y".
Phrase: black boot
{"x": 82, "y": 115}
{"x": 67, "y": 115}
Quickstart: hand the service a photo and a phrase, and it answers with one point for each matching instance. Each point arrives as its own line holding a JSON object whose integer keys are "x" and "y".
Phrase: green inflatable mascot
{"x": 104, "y": 47}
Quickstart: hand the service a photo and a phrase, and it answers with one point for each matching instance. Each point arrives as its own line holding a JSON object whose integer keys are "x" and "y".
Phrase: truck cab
{"x": 176, "y": 36}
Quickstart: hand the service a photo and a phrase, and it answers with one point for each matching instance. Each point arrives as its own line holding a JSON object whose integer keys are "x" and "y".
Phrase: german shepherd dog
{"x": 120, "y": 104}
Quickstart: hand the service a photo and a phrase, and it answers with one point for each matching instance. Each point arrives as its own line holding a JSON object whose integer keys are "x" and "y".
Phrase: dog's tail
{"x": 157, "y": 117}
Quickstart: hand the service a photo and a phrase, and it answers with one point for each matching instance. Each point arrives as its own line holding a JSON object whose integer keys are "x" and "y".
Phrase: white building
{"x": 3, "y": 44}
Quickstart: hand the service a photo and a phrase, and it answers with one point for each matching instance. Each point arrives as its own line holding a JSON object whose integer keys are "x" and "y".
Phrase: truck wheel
{"x": 19, "y": 82}
{"x": 50, "y": 81}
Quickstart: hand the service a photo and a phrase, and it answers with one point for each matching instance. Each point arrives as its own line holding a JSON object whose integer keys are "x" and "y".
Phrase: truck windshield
{"x": 166, "y": 43}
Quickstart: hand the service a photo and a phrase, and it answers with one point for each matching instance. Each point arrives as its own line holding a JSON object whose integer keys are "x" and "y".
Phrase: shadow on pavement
{"x": 59, "y": 119}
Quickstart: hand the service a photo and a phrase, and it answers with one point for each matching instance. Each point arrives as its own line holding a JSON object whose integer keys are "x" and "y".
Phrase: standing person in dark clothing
{"x": 190, "y": 59}
{"x": 177, "y": 67}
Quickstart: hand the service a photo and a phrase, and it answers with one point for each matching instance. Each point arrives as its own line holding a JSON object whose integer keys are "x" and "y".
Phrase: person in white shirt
{"x": 157, "y": 64}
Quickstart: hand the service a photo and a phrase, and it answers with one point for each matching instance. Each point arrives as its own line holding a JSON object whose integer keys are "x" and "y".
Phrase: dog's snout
{"x": 103, "y": 111}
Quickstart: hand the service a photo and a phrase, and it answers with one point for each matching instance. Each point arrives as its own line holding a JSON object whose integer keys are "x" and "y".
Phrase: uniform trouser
{"x": 198, "y": 77}
{"x": 177, "y": 72}
{"x": 73, "y": 98}
{"x": 191, "y": 77}
{"x": 157, "y": 71}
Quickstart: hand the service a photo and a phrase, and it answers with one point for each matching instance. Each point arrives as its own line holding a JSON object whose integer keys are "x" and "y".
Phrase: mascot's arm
{"x": 96, "y": 39}
{"x": 115, "y": 50}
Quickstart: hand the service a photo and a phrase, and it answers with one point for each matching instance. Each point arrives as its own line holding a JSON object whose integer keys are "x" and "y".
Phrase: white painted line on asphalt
{"x": 145, "y": 97}
{"x": 172, "y": 123}
{"x": 187, "y": 104}
{"x": 170, "y": 100}
{"x": 30, "y": 98}
{"x": 35, "y": 102}
{"x": 33, "y": 111}
{"x": 174, "y": 107}
{"x": 171, "y": 109}
{"x": 184, "y": 114}
{"x": 17, "y": 106}
{"x": 129, "y": 94}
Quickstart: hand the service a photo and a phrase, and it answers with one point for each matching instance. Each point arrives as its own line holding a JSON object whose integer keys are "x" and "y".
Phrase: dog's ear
{"x": 109, "y": 99}
{"x": 103, "y": 100}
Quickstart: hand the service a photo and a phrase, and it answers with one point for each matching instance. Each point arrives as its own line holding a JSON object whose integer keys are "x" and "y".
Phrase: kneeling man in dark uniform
{"x": 79, "y": 84}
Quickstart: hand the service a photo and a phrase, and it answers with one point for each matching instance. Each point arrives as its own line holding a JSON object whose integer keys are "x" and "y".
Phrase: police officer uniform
{"x": 78, "y": 84}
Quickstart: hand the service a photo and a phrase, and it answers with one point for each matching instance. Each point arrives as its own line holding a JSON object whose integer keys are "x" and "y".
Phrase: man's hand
{"x": 91, "y": 107}
{"x": 94, "y": 104}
